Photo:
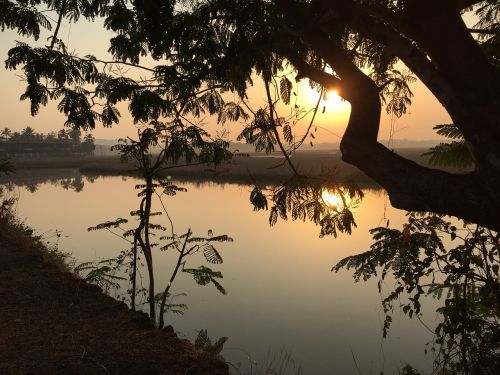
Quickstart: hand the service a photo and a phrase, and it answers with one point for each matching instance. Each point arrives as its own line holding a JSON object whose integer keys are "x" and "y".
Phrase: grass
{"x": 21, "y": 235}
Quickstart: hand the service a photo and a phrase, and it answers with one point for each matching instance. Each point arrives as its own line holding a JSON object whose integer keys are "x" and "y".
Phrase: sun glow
{"x": 334, "y": 200}
{"x": 330, "y": 103}
{"x": 334, "y": 102}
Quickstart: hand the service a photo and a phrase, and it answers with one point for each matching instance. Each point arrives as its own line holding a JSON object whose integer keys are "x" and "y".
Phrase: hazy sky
{"x": 85, "y": 39}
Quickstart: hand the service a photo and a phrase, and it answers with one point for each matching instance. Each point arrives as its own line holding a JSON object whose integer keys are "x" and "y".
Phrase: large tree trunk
{"x": 474, "y": 81}
{"x": 438, "y": 48}
{"x": 413, "y": 187}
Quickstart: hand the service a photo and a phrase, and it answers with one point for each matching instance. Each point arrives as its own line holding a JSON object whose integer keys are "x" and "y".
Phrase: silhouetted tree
{"x": 430, "y": 256}
{"x": 6, "y": 133}
{"x": 28, "y": 132}
{"x": 75, "y": 135}
{"x": 151, "y": 167}
{"x": 88, "y": 143}
{"x": 52, "y": 136}
{"x": 204, "y": 48}
{"x": 63, "y": 135}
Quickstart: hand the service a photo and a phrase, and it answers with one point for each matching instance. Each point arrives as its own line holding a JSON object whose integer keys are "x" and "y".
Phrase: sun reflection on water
{"x": 336, "y": 200}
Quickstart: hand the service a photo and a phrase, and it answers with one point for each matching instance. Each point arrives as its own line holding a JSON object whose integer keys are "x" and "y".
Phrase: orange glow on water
{"x": 334, "y": 200}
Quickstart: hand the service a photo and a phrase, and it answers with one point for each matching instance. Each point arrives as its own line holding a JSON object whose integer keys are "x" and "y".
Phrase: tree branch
{"x": 275, "y": 131}
{"x": 385, "y": 32}
{"x": 483, "y": 31}
{"x": 409, "y": 185}
{"x": 463, "y": 4}
{"x": 59, "y": 21}
{"x": 306, "y": 70}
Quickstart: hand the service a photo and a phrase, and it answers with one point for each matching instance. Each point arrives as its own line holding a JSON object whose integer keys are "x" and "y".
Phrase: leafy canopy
{"x": 203, "y": 50}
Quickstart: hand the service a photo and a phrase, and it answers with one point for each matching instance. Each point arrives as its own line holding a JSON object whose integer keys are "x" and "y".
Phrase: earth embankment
{"x": 53, "y": 323}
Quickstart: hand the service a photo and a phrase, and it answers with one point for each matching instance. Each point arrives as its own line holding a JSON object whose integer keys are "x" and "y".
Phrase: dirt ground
{"x": 53, "y": 323}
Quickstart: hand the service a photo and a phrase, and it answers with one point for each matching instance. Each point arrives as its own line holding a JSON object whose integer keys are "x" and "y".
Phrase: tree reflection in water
{"x": 302, "y": 198}
{"x": 429, "y": 256}
{"x": 68, "y": 180}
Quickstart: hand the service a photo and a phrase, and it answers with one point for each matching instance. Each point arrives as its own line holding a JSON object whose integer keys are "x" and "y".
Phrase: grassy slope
{"x": 54, "y": 323}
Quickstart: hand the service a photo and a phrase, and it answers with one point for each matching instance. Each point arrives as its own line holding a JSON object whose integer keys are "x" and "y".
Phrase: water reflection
{"x": 319, "y": 319}
{"x": 68, "y": 179}
{"x": 338, "y": 201}
{"x": 324, "y": 201}
{"x": 281, "y": 293}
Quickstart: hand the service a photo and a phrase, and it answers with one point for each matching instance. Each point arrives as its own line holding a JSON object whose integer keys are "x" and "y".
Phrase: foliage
{"x": 170, "y": 40}
{"x": 6, "y": 166}
{"x": 204, "y": 343}
{"x": 176, "y": 143}
{"x": 396, "y": 92}
{"x": 82, "y": 85}
{"x": 88, "y": 143}
{"x": 101, "y": 273}
{"x": 204, "y": 276}
{"x": 7, "y": 207}
{"x": 308, "y": 199}
{"x": 170, "y": 306}
{"x": 64, "y": 142}
{"x": 260, "y": 132}
{"x": 200, "y": 57}
{"x": 453, "y": 154}
{"x": 466, "y": 276}
{"x": 16, "y": 231}
{"x": 432, "y": 257}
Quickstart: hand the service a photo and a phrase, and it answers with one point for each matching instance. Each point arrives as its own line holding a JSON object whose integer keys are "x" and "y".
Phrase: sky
{"x": 85, "y": 38}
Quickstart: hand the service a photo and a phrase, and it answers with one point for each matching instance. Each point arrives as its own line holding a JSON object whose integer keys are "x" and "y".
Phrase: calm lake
{"x": 282, "y": 297}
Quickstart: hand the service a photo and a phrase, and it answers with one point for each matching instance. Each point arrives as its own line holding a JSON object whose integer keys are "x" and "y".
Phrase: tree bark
{"x": 475, "y": 84}
{"x": 470, "y": 95}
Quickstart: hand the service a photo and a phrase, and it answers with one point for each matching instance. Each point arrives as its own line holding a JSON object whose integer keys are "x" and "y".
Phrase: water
{"x": 282, "y": 295}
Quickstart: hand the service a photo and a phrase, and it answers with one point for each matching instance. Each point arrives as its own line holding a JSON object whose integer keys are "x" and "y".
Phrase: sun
{"x": 332, "y": 101}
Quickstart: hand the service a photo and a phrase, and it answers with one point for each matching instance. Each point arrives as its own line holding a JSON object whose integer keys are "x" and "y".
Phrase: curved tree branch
{"x": 463, "y": 80}
{"x": 409, "y": 185}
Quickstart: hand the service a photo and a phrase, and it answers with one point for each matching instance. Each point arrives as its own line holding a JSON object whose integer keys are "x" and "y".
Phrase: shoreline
{"x": 53, "y": 322}
{"x": 254, "y": 169}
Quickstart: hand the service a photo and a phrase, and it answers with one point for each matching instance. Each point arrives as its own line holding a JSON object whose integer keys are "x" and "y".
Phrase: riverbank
{"x": 53, "y": 323}
{"x": 244, "y": 169}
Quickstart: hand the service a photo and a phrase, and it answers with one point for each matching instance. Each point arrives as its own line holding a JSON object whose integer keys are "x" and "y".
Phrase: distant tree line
{"x": 63, "y": 142}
